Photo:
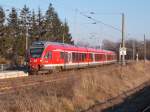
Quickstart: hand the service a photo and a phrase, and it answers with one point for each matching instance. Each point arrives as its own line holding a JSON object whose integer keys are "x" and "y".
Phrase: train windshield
{"x": 36, "y": 52}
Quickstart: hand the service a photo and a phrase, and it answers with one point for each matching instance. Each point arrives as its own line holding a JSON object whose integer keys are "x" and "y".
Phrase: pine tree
{"x": 40, "y": 20}
{"x": 2, "y": 31}
{"x": 48, "y": 23}
{"x": 53, "y": 25}
{"x": 33, "y": 30}
{"x": 66, "y": 34}
{"x": 24, "y": 23}
{"x": 57, "y": 28}
{"x": 13, "y": 27}
{"x": 13, "y": 23}
{"x": 2, "y": 17}
{"x": 13, "y": 19}
{"x": 25, "y": 18}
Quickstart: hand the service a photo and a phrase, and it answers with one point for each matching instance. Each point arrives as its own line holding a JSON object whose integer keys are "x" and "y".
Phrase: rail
{"x": 147, "y": 109}
{"x": 7, "y": 87}
{"x": 117, "y": 99}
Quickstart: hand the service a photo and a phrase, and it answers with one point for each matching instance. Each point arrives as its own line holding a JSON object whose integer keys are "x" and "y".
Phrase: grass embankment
{"x": 72, "y": 95}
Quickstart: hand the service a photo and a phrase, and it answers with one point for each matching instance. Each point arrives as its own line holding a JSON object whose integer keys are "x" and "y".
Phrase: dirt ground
{"x": 76, "y": 94}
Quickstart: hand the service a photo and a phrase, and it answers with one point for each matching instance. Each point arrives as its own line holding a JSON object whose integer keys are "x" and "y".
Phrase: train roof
{"x": 57, "y": 45}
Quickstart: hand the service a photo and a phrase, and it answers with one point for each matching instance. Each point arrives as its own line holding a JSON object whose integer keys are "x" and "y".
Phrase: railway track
{"x": 117, "y": 100}
{"x": 147, "y": 109}
{"x": 33, "y": 80}
{"x": 10, "y": 85}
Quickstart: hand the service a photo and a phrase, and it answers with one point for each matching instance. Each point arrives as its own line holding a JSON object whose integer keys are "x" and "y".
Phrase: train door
{"x": 65, "y": 54}
{"x": 69, "y": 57}
{"x": 65, "y": 57}
{"x": 93, "y": 57}
{"x": 47, "y": 58}
{"x": 106, "y": 58}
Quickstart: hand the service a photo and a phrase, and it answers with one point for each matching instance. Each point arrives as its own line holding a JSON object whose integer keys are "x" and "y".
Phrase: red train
{"x": 49, "y": 56}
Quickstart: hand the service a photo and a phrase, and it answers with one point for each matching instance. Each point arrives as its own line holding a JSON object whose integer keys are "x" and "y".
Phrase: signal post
{"x": 122, "y": 50}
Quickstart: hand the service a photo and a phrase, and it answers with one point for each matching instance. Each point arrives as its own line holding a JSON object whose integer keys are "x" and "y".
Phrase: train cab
{"x": 35, "y": 56}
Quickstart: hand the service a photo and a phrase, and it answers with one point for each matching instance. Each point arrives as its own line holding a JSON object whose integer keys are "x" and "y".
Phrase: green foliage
{"x": 41, "y": 26}
{"x": 2, "y": 30}
{"x": 2, "y": 16}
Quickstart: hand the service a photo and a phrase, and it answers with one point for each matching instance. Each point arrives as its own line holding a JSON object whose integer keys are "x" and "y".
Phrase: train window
{"x": 109, "y": 57}
{"x": 36, "y": 52}
{"x": 66, "y": 56}
{"x": 96, "y": 57}
{"x": 103, "y": 56}
{"x": 99, "y": 57}
{"x": 48, "y": 55}
{"x": 112, "y": 57}
{"x": 91, "y": 56}
{"x": 83, "y": 56}
{"x": 75, "y": 57}
{"x": 62, "y": 55}
{"x": 115, "y": 57}
{"x": 79, "y": 57}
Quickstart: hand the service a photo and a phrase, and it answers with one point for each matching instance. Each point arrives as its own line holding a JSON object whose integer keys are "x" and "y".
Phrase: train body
{"x": 51, "y": 56}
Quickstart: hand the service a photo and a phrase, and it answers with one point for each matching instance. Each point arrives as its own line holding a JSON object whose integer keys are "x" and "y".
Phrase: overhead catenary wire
{"x": 103, "y": 23}
{"x": 99, "y": 21}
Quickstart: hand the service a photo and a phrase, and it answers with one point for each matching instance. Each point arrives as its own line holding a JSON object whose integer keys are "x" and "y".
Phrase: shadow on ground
{"x": 134, "y": 103}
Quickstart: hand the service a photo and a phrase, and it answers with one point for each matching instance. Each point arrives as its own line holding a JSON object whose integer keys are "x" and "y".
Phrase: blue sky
{"x": 137, "y": 17}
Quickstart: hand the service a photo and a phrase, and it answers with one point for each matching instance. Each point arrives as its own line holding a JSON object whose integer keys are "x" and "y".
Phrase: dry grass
{"x": 95, "y": 85}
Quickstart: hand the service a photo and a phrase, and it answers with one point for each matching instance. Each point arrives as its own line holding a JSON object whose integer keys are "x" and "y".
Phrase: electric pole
{"x": 26, "y": 26}
{"x": 63, "y": 37}
{"x": 133, "y": 46}
{"x": 119, "y": 54}
{"x": 144, "y": 48}
{"x": 123, "y": 41}
{"x": 27, "y": 35}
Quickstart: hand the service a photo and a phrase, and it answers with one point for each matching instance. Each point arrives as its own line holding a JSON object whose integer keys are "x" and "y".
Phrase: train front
{"x": 35, "y": 57}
